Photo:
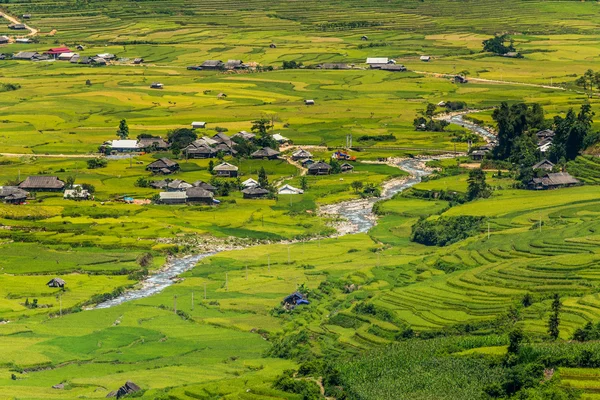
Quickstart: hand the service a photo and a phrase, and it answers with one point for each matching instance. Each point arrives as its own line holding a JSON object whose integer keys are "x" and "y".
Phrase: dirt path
{"x": 32, "y": 31}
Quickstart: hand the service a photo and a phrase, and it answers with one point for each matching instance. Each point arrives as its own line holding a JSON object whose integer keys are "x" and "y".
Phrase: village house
{"x": 198, "y": 125}
{"x": 178, "y": 185}
{"x": 307, "y": 162}
{"x": 319, "y": 168}
{"x": 345, "y": 167}
{"x": 172, "y": 198}
{"x": 288, "y": 189}
{"x": 377, "y": 61}
{"x": 545, "y": 134}
{"x": 301, "y": 154}
{"x": 545, "y": 145}
{"x": 42, "y": 184}
{"x": 157, "y": 85}
{"x": 280, "y": 138}
{"x": 121, "y": 146}
{"x": 199, "y": 151}
{"x": 425, "y": 58}
{"x": 553, "y": 181}
{"x": 18, "y": 27}
{"x": 235, "y": 64}
{"x": 255, "y": 193}
{"x": 266, "y": 152}
{"x": 26, "y": 16}
{"x": 56, "y": 283}
{"x": 152, "y": 144}
{"x": 213, "y": 64}
{"x": 223, "y": 138}
{"x": 106, "y": 56}
{"x": 391, "y": 68}
{"x": 544, "y": 165}
{"x": 478, "y": 155}
{"x": 332, "y": 66}
{"x": 25, "y": 55}
{"x": 364, "y": 37}
{"x": 162, "y": 184}
{"x": 244, "y": 135}
{"x": 76, "y": 193}
{"x": 163, "y": 166}
{"x": 4, "y": 39}
{"x": 13, "y": 195}
{"x": 205, "y": 186}
{"x": 23, "y": 40}
{"x": 250, "y": 183}
{"x": 138, "y": 60}
{"x": 199, "y": 195}
{"x": 226, "y": 170}
{"x": 460, "y": 79}
{"x": 309, "y": 102}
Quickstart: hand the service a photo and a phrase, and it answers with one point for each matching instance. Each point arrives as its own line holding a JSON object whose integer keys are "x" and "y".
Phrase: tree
{"x": 97, "y": 163}
{"x": 515, "y": 337}
{"x": 182, "y": 137}
{"x": 336, "y": 168}
{"x": 478, "y": 188}
{"x": 263, "y": 180}
{"x": 497, "y": 45}
{"x": 145, "y": 260}
{"x": 264, "y": 139}
{"x": 304, "y": 183}
{"x": 554, "y": 320}
{"x": 430, "y": 110}
{"x": 70, "y": 182}
{"x": 571, "y": 133}
{"x": 123, "y": 131}
{"x": 356, "y": 185}
{"x": 91, "y": 189}
{"x": 514, "y": 121}
{"x": 527, "y": 300}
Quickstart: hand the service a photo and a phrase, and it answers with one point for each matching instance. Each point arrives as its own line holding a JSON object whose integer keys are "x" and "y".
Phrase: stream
{"x": 358, "y": 214}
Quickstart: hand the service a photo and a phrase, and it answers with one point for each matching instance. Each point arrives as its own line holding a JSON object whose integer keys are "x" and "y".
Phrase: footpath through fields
{"x": 32, "y": 31}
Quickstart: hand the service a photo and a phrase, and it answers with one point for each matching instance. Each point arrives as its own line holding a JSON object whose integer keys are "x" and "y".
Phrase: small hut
{"x": 255, "y": 193}
{"x": 56, "y": 283}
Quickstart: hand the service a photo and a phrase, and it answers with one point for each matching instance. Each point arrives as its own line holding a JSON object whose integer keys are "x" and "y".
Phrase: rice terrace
{"x": 343, "y": 200}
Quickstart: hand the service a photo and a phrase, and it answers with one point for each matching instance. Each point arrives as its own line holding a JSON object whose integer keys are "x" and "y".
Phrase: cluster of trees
{"x": 573, "y": 133}
{"x": 181, "y": 138}
{"x": 292, "y": 65}
{"x": 445, "y": 230}
{"x": 588, "y": 81}
{"x": 497, "y": 45}
{"x": 9, "y": 87}
{"x": 94, "y": 163}
{"x": 123, "y": 131}
{"x": 425, "y": 121}
{"x": 477, "y": 186}
{"x": 587, "y": 333}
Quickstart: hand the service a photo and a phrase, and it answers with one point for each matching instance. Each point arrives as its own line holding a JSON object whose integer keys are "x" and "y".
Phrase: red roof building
{"x": 58, "y": 50}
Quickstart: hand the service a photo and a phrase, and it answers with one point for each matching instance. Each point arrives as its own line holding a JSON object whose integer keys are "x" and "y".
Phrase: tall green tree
{"x": 497, "y": 45}
{"x": 477, "y": 186}
{"x": 263, "y": 180}
{"x": 554, "y": 320}
{"x": 571, "y": 133}
{"x": 123, "y": 131}
{"x": 181, "y": 138}
{"x": 262, "y": 126}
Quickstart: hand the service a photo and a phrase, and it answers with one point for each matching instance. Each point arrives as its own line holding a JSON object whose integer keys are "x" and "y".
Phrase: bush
{"x": 95, "y": 163}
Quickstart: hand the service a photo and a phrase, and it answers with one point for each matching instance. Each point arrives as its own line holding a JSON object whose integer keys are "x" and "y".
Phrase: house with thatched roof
{"x": 345, "y": 167}
{"x": 205, "y": 186}
{"x": 226, "y": 170}
{"x": 212, "y": 64}
{"x": 255, "y": 193}
{"x": 319, "y": 168}
{"x": 199, "y": 151}
{"x": 56, "y": 283}
{"x": 553, "y": 181}
{"x": 152, "y": 144}
{"x": 546, "y": 165}
{"x": 223, "y": 138}
{"x": 163, "y": 166}
{"x": 301, "y": 154}
{"x": 244, "y": 135}
{"x": 178, "y": 185}
{"x": 13, "y": 195}
{"x": 162, "y": 184}
{"x": 265, "y": 152}
{"x": 42, "y": 184}
{"x": 199, "y": 195}
{"x": 235, "y": 64}
{"x": 127, "y": 389}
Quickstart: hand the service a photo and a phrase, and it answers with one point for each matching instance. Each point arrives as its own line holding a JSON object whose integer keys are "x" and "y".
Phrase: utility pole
{"x": 246, "y": 271}
{"x": 488, "y": 231}
{"x": 269, "y": 262}
{"x": 204, "y": 290}
{"x": 175, "y": 304}
{"x": 226, "y": 288}
{"x": 192, "y": 301}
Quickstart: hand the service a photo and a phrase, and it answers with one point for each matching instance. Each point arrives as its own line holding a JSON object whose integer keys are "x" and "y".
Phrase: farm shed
{"x": 13, "y": 195}
{"x": 265, "y": 152}
{"x": 280, "y": 138}
{"x": 157, "y": 85}
{"x": 163, "y": 166}
{"x": 425, "y": 58}
{"x": 172, "y": 197}
{"x": 74, "y": 59}
{"x": 293, "y": 300}
{"x": 320, "y": 168}
{"x": 289, "y": 189}
{"x": 138, "y": 60}
{"x": 42, "y": 184}
{"x": 97, "y": 61}
{"x": 309, "y": 102}
{"x": 546, "y": 165}
{"x": 460, "y": 79}
{"x": 199, "y": 195}
{"x": 17, "y": 26}
{"x": 198, "y": 125}
{"x": 205, "y": 186}
{"x": 391, "y": 68}
{"x": 66, "y": 56}
{"x": 213, "y": 64}
{"x": 4, "y": 39}
{"x": 23, "y": 40}
{"x": 127, "y": 389}
{"x": 347, "y": 167}
{"x": 255, "y": 193}
{"x": 26, "y": 16}
{"x": 301, "y": 154}
{"x": 273, "y": 46}
{"x": 244, "y": 135}
{"x": 249, "y": 183}
{"x": 107, "y": 56}
{"x": 553, "y": 181}
{"x": 478, "y": 155}
{"x": 56, "y": 283}
{"x": 364, "y": 37}
{"x": 226, "y": 170}
{"x": 153, "y": 143}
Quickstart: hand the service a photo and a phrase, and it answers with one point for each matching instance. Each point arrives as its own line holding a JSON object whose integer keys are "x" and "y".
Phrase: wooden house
{"x": 213, "y": 64}
{"x": 163, "y": 166}
{"x": 319, "y": 168}
{"x": 13, "y": 195}
{"x": 56, "y": 283}
{"x": 553, "y": 181}
{"x": 226, "y": 170}
{"x": 301, "y": 154}
{"x": 255, "y": 193}
{"x": 199, "y": 195}
{"x": 265, "y": 152}
{"x": 545, "y": 165}
{"x": 345, "y": 167}
{"x": 172, "y": 197}
{"x": 42, "y": 184}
